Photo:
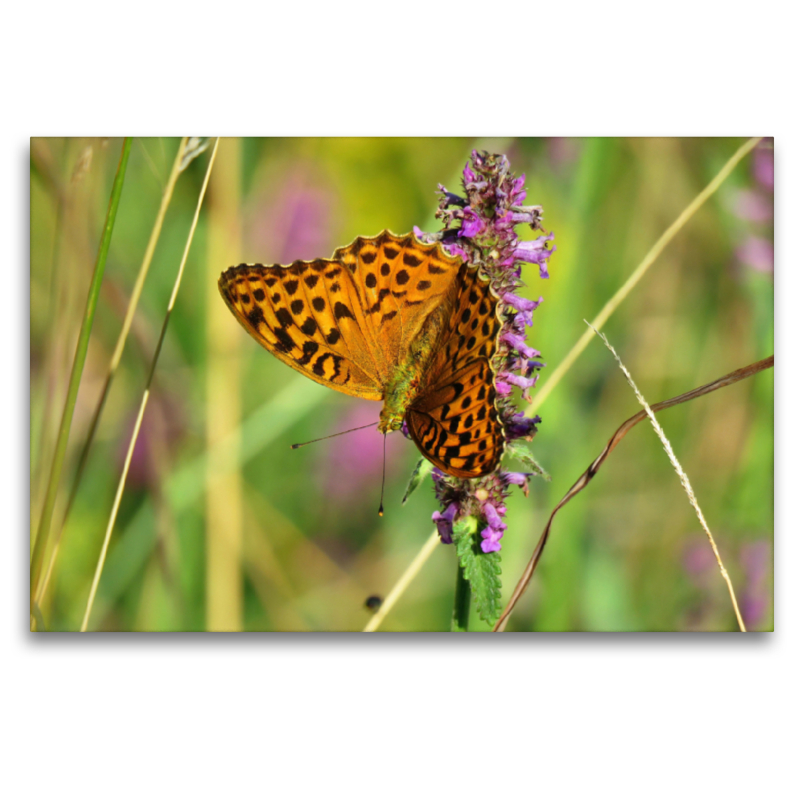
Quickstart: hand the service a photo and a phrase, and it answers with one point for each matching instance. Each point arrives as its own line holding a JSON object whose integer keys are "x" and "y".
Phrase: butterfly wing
{"x": 400, "y": 281}
{"x": 309, "y": 315}
{"x": 454, "y": 419}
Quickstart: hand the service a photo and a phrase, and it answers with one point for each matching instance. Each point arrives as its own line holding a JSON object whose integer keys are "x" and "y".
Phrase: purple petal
{"x": 444, "y": 522}
{"x": 491, "y": 539}
{"x": 520, "y": 426}
{"x": 493, "y": 518}
{"x": 518, "y": 380}
{"x": 471, "y": 224}
{"x": 536, "y": 252}
{"x": 455, "y": 250}
{"x": 518, "y": 343}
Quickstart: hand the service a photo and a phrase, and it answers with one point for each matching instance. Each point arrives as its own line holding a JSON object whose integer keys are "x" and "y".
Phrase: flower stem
{"x": 43, "y": 533}
{"x": 460, "y": 622}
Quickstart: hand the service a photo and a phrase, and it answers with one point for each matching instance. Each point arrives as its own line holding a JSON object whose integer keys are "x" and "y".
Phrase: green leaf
{"x": 482, "y": 570}
{"x": 519, "y": 451}
{"x": 421, "y": 471}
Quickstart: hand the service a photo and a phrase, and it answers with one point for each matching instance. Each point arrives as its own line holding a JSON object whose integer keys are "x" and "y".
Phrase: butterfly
{"x": 388, "y": 318}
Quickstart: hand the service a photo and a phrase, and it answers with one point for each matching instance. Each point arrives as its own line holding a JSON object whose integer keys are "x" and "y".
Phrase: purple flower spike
{"x": 482, "y": 232}
{"x": 444, "y": 523}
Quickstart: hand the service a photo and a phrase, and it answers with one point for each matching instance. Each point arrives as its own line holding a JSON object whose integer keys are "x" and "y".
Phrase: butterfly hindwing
{"x": 455, "y": 424}
{"x": 308, "y": 315}
{"x": 454, "y": 420}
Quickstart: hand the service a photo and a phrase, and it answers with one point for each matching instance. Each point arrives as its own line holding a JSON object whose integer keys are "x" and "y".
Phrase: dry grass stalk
{"x": 684, "y": 478}
{"x": 145, "y": 397}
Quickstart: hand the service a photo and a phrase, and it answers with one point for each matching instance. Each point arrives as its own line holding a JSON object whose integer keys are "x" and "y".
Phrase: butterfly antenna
{"x": 341, "y": 433}
{"x": 383, "y": 479}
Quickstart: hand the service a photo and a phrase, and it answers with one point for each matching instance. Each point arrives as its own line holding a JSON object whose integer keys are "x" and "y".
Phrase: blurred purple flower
{"x": 754, "y": 599}
{"x": 756, "y": 563}
{"x": 755, "y": 206}
{"x": 698, "y": 559}
{"x": 764, "y": 164}
{"x": 752, "y": 206}
{"x": 294, "y": 221}
{"x": 562, "y": 152}
{"x": 162, "y": 427}
{"x": 349, "y": 463}
{"x": 757, "y": 253}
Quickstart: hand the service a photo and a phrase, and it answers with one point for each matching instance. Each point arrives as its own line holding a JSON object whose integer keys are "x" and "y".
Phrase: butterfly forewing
{"x": 400, "y": 281}
{"x": 308, "y": 315}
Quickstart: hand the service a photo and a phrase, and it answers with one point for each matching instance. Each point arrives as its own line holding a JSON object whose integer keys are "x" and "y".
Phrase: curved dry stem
{"x": 594, "y": 467}
{"x": 145, "y": 397}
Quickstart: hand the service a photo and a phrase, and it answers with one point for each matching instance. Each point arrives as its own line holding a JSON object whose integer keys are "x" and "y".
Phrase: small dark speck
{"x": 373, "y": 602}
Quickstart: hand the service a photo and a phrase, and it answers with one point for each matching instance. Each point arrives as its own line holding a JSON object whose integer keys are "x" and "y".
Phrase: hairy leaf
{"x": 482, "y": 570}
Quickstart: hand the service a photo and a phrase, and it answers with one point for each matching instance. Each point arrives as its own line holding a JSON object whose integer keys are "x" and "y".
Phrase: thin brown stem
{"x": 594, "y": 467}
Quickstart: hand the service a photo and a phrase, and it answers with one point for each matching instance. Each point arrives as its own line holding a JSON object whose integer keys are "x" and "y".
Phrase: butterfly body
{"x": 388, "y": 318}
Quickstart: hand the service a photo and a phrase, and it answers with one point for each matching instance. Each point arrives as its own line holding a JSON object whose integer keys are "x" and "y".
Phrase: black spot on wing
{"x": 341, "y": 311}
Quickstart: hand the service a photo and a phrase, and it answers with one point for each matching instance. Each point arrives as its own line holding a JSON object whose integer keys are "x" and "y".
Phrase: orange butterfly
{"x": 388, "y": 318}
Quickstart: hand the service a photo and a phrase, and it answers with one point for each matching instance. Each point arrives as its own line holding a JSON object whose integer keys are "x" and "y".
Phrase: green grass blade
{"x": 43, "y": 531}
{"x": 133, "y": 303}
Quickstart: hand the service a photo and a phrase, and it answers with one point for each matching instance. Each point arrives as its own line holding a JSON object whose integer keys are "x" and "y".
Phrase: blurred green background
{"x": 223, "y": 527}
